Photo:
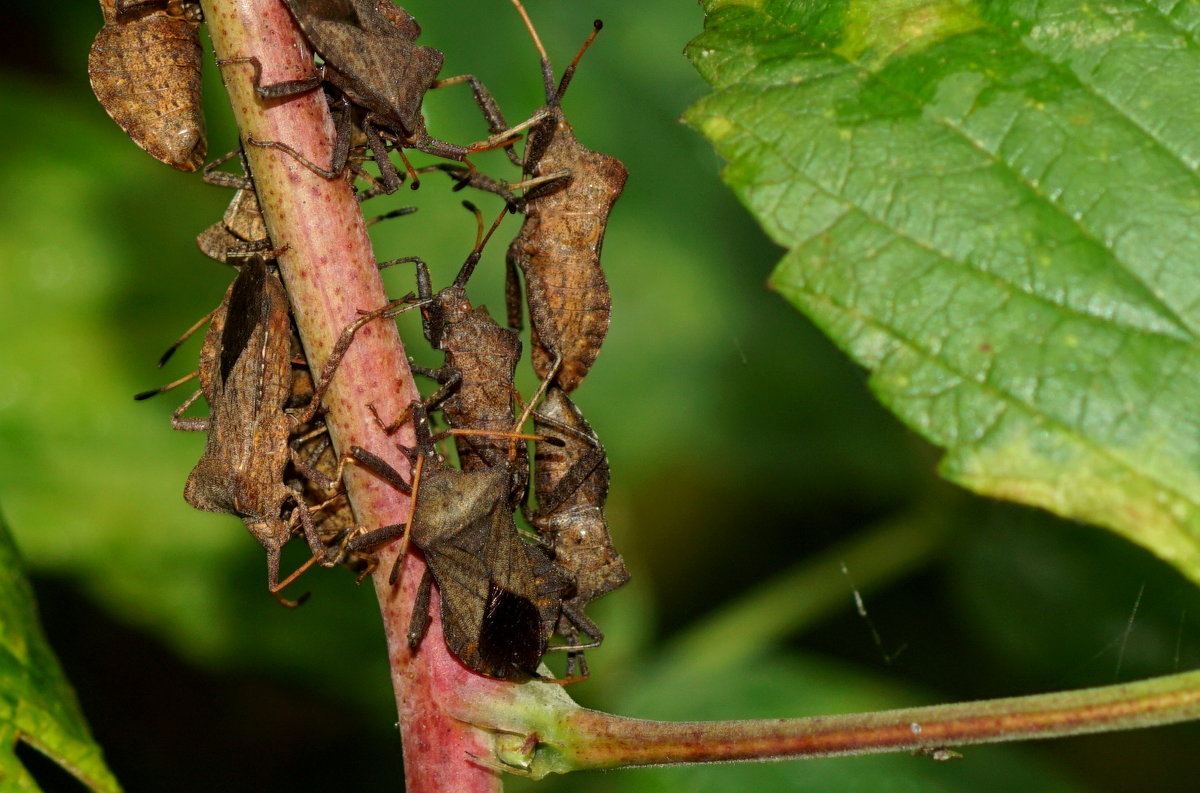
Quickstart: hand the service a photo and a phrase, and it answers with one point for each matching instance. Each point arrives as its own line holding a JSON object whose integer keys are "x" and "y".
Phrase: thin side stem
{"x": 558, "y": 737}
{"x": 604, "y": 741}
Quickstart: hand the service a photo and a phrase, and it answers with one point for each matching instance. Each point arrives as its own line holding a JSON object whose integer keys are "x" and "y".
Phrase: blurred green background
{"x": 749, "y": 463}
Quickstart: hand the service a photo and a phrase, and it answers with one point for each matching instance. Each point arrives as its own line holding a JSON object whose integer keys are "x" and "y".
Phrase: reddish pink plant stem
{"x": 330, "y": 273}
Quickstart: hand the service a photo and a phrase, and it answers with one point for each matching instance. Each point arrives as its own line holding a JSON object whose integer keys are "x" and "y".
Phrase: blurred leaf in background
{"x": 744, "y": 447}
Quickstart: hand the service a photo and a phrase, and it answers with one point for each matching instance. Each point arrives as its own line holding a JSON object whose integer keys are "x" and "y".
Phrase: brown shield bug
{"x": 500, "y": 596}
{"x": 558, "y": 247}
{"x": 144, "y": 67}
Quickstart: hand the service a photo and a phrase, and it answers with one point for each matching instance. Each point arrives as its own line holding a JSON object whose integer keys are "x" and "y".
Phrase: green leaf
{"x": 992, "y": 206}
{"x": 37, "y": 703}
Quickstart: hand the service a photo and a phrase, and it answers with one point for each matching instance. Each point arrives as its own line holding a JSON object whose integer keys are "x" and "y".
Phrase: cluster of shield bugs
{"x": 504, "y": 593}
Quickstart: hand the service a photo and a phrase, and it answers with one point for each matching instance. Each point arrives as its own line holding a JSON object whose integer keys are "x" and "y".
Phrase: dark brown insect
{"x": 558, "y": 248}
{"x": 477, "y": 372}
{"x": 371, "y": 58}
{"x": 246, "y": 377}
{"x": 571, "y": 484}
{"x": 477, "y": 396}
{"x": 144, "y": 67}
{"x": 500, "y": 596}
{"x": 241, "y": 231}
{"x": 312, "y": 465}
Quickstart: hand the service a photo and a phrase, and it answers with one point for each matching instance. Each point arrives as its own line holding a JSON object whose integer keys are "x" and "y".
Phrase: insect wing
{"x": 246, "y": 311}
{"x": 576, "y": 473}
{"x": 381, "y": 16}
{"x": 308, "y": 12}
{"x": 510, "y": 638}
{"x": 454, "y": 503}
{"x": 462, "y": 579}
{"x": 373, "y": 16}
{"x": 369, "y": 47}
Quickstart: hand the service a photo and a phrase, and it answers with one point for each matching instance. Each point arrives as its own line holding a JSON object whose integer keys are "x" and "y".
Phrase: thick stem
{"x": 329, "y": 270}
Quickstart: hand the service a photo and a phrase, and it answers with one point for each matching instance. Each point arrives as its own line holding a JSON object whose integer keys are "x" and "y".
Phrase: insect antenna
{"x": 414, "y": 176}
{"x": 163, "y": 389}
{"x": 547, "y": 72}
{"x": 481, "y": 240}
{"x": 554, "y": 97}
{"x": 460, "y": 432}
{"x": 395, "y": 213}
{"x": 597, "y": 26}
{"x": 187, "y": 334}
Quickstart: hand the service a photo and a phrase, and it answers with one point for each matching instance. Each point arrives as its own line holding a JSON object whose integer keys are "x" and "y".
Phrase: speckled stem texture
{"x": 329, "y": 270}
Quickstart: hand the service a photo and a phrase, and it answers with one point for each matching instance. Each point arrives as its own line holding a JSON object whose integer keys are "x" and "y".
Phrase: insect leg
{"x": 282, "y": 89}
{"x": 377, "y": 537}
{"x": 342, "y": 345}
{"x": 301, "y": 513}
{"x": 513, "y": 297}
{"x": 189, "y": 425}
{"x": 225, "y": 179}
{"x": 467, "y": 177}
{"x": 380, "y": 467}
{"x": 487, "y": 105}
{"x": 335, "y": 167}
{"x": 273, "y": 584}
{"x": 312, "y": 474}
{"x": 388, "y": 176}
{"x": 419, "y": 623}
